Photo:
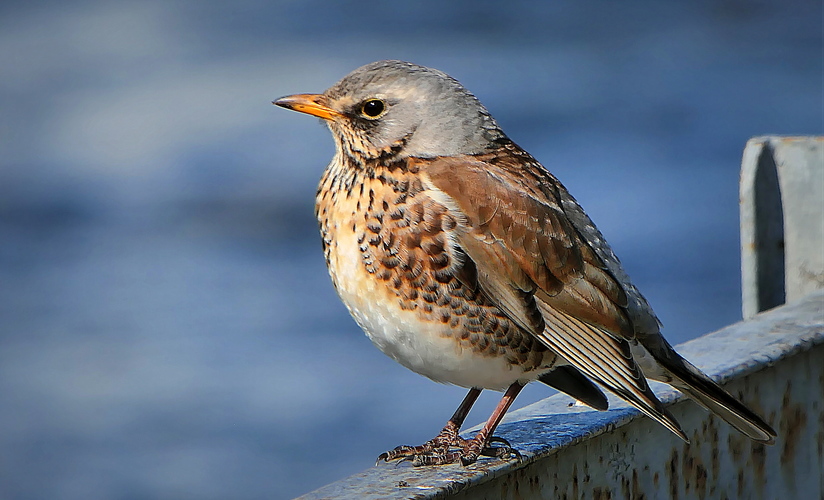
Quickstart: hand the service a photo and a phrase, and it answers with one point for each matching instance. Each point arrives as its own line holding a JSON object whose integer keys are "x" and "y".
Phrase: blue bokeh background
{"x": 167, "y": 327}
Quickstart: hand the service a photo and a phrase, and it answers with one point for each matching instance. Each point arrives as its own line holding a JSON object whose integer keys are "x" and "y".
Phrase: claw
{"x": 502, "y": 452}
{"x": 499, "y": 440}
{"x": 398, "y": 452}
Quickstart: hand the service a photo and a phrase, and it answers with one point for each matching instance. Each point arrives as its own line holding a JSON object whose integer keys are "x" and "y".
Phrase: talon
{"x": 398, "y": 452}
{"x": 505, "y": 452}
{"x": 499, "y": 440}
{"x": 469, "y": 458}
{"x": 478, "y": 446}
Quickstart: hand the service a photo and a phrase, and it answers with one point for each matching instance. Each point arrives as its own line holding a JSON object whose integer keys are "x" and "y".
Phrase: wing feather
{"x": 519, "y": 235}
{"x": 607, "y": 360}
{"x": 529, "y": 257}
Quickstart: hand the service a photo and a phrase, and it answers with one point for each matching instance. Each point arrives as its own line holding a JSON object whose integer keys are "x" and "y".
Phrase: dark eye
{"x": 372, "y": 108}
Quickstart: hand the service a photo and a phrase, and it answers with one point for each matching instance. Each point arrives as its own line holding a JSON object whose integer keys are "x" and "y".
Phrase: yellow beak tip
{"x": 311, "y": 104}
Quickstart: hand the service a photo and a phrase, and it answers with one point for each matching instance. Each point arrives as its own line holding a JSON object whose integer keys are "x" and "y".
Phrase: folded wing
{"x": 529, "y": 257}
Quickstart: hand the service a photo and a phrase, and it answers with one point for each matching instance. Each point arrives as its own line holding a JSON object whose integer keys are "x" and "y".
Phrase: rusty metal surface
{"x": 774, "y": 362}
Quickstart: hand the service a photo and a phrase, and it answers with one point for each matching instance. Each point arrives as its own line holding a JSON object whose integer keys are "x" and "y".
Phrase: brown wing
{"x": 519, "y": 236}
{"x": 529, "y": 256}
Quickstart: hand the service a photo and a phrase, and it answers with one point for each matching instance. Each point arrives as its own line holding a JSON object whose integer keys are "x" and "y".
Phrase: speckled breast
{"x": 392, "y": 255}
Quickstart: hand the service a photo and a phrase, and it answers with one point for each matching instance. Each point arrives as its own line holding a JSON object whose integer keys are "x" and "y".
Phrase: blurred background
{"x": 167, "y": 326}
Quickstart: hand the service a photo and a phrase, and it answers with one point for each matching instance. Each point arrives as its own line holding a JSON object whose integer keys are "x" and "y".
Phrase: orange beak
{"x": 311, "y": 104}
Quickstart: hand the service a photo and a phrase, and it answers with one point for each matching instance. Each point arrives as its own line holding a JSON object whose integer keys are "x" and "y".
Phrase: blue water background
{"x": 167, "y": 327}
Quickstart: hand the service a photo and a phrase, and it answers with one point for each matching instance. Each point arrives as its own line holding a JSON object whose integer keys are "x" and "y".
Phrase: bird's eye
{"x": 372, "y": 108}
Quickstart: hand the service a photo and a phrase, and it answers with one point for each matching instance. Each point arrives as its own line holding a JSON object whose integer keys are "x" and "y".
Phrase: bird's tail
{"x": 703, "y": 390}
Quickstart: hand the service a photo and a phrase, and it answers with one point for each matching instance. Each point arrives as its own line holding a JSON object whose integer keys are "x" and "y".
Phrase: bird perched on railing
{"x": 466, "y": 261}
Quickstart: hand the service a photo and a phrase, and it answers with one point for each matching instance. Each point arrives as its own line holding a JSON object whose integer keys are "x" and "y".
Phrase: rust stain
{"x": 693, "y": 471}
{"x": 636, "y": 492}
{"x": 673, "y": 475}
{"x": 740, "y": 483}
{"x": 516, "y": 494}
{"x": 575, "y": 481}
{"x": 700, "y": 474}
{"x": 714, "y": 440}
{"x": 759, "y": 459}
{"x": 793, "y": 422}
{"x": 687, "y": 466}
{"x": 601, "y": 494}
{"x": 625, "y": 487}
{"x": 735, "y": 443}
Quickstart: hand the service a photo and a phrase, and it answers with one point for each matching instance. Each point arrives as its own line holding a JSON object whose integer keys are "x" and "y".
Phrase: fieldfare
{"x": 465, "y": 260}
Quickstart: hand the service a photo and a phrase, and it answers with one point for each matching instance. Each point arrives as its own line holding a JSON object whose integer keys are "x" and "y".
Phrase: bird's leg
{"x": 478, "y": 445}
{"x": 436, "y": 451}
{"x": 446, "y": 438}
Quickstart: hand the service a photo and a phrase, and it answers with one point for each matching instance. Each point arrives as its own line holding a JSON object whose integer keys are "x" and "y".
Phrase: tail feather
{"x": 703, "y": 390}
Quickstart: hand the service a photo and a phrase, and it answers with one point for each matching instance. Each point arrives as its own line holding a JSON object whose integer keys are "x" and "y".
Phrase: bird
{"x": 465, "y": 260}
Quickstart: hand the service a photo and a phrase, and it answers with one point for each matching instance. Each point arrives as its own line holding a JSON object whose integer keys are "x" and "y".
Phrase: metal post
{"x": 782, "y": 221}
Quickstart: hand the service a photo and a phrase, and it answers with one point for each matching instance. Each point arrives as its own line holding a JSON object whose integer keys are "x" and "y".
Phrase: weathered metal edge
{"x": 732, "y": 352}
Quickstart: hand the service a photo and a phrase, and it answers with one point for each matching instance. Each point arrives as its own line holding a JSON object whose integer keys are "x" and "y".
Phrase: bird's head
{"x": 398, "y": 109}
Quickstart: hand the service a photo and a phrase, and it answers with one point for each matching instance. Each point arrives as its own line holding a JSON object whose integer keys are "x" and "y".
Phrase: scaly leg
{"x": 446, "y": 438}
{"x": 437, "y": 451}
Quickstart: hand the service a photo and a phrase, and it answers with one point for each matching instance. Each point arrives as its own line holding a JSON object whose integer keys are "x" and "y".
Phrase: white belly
{"x": 424, "y": 347}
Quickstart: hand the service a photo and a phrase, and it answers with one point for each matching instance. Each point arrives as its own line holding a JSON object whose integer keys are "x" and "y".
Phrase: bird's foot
{"x": 440, "y": 444}
{"x": 448, "y": 447}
